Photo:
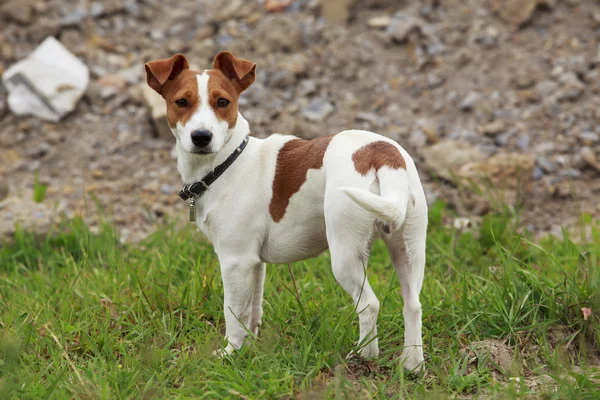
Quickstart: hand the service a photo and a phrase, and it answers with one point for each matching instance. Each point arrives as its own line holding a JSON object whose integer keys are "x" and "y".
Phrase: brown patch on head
{"x": 294, "y": 160}
{"x": 219, "y": 87}
{"x": 185, "y": 86}
{"x": 376, "y": 155}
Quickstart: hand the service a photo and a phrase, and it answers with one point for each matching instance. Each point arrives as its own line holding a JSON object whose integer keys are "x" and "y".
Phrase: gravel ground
{"x": 508, "y": 90}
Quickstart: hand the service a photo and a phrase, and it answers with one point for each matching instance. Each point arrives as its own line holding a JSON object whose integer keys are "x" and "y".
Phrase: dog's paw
{"x": 227, "y": 351}
{"x": 412, "y": 359}
{"x": 369, "y": 351}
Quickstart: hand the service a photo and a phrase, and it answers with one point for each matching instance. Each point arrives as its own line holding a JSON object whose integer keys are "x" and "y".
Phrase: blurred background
{"x": 497, "y": 100}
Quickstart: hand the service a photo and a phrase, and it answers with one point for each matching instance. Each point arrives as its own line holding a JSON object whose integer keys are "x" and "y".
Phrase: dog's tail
{"x": 393, "y": 204}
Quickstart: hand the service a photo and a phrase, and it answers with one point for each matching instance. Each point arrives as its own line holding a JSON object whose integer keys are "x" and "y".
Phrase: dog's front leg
{"x": 239, "y": 286}
{"x": 257, "y": 298}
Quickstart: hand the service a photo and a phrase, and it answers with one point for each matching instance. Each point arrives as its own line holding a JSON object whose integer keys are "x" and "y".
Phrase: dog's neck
{"x": 194, "y": 167}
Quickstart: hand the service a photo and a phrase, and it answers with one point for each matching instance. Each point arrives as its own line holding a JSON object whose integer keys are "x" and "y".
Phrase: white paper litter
{"x": 48, "y": 83}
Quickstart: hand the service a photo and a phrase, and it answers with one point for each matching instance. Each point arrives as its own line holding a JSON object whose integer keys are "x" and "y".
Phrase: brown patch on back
{"x": 294, "y": 160}
{"x": 219, "y": 86}
{"x": 376, "y": 155}
{"x": 185, "y": 86}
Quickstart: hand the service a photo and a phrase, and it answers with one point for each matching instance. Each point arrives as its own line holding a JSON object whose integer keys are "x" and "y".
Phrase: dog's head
{"x": 202, "y": 106}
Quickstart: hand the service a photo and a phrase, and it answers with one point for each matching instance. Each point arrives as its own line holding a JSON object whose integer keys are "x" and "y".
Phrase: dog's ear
{"x": 158, "y": 72}
{"x": 241, "y": 72}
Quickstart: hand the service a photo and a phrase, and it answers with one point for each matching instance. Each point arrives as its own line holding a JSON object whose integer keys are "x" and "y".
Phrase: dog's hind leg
{"x": 349, "y": 236}
{"x": 407, "y": 250}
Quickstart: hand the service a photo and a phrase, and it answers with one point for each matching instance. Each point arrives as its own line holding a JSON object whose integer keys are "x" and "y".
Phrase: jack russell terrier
{"x": 285, "y": 199}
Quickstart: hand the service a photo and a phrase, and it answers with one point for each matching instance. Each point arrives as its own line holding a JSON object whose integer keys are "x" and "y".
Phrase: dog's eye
{"x": 181, "y": 102}
{"x": 222, "y": 103}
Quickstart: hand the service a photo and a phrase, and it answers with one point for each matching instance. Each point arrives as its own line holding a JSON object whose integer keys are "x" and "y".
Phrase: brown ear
{"x": 158, "y": 72}
{"x": 242, "y": 72}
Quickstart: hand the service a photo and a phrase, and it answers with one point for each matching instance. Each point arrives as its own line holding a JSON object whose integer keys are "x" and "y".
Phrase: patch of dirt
{"x": 491, "y": 352}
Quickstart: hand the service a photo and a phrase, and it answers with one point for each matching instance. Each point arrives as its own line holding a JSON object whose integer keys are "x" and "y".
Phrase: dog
{"x": 284, "y": 199}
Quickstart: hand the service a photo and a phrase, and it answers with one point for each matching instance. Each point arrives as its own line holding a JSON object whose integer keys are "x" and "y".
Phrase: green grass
{"x": 83, "y": 316}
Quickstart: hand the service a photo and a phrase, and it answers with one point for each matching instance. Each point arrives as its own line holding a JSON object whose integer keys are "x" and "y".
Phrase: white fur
{"x": 336, "y": 208}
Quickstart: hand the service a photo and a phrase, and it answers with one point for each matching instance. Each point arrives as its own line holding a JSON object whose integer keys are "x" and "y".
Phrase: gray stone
{"x": 167, "y": 189}
{"x": 470, "y": 101}
{"x": 74, "y": 17}
{"x": 402, "y": 25}
{"x": 306, "y": 88}
{"x": 317, "y": 110}
{"x": 488, "y": 38}
{"x": 589, "y": 137}
{"x": 157, "y": 34}
{"x": 368, "y": 117}
{"x": 546, "y": 165}
{"x": 523, "y": 142}
{"x": 570, "y": 173}
{"x": 435, "y": 80}
{"x": 538, "y": 173}
{"x": 572, "y": 87}
{"x": 546, "y": 88}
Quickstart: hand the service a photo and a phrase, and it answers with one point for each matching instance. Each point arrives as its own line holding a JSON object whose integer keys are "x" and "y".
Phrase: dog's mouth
{"x": 201, "y": 152}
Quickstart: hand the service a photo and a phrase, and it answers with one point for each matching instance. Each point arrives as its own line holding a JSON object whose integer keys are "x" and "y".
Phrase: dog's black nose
{"x": 201, "y": 138}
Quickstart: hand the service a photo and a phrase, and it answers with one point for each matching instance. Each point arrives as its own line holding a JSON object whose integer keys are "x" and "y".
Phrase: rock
{"x": 369, "y": 117}
{"x": 335, "y": 11}
{"x": 572, "y": 87}
{"x": 586, "y": 137}
{"x": 381, "y": 22}
{"x": 469, "y": 101}
{"x": 107, "y": 87}
{"x": 493, "y": 128}
{"x": 546, "y": 88}
{"x": 523, "y": 142}
{"x": 506, "y": 170}
{"x": 435, "y": 80}
{"x": 514, "y": 12}
{"x": 306, "y": 88}
{"x": 589, "y": 157}
{"x": 402, "y": 25}
{"x": 546, "y": 165}
{"x": 317, "y": 110}
{"x": 132, "y": 75}
{"x": 447, "y": 157}
{"x": 488, "y": 37}
{"x": 167, "y": 189}
{"x": 430, "y": 128}
{"x": 157, "y": 111}
{"x": 229, "y": 10}
{"x": 20, "y": 11}
{"x": 58, "y": 77}
{"x": 297, "y": 64}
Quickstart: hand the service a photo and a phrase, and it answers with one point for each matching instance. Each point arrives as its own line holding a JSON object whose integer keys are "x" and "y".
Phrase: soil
{"x": 496, "y": 79}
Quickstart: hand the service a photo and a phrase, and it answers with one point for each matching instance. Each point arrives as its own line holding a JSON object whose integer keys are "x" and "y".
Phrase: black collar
{"x": 196, "y": 189}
